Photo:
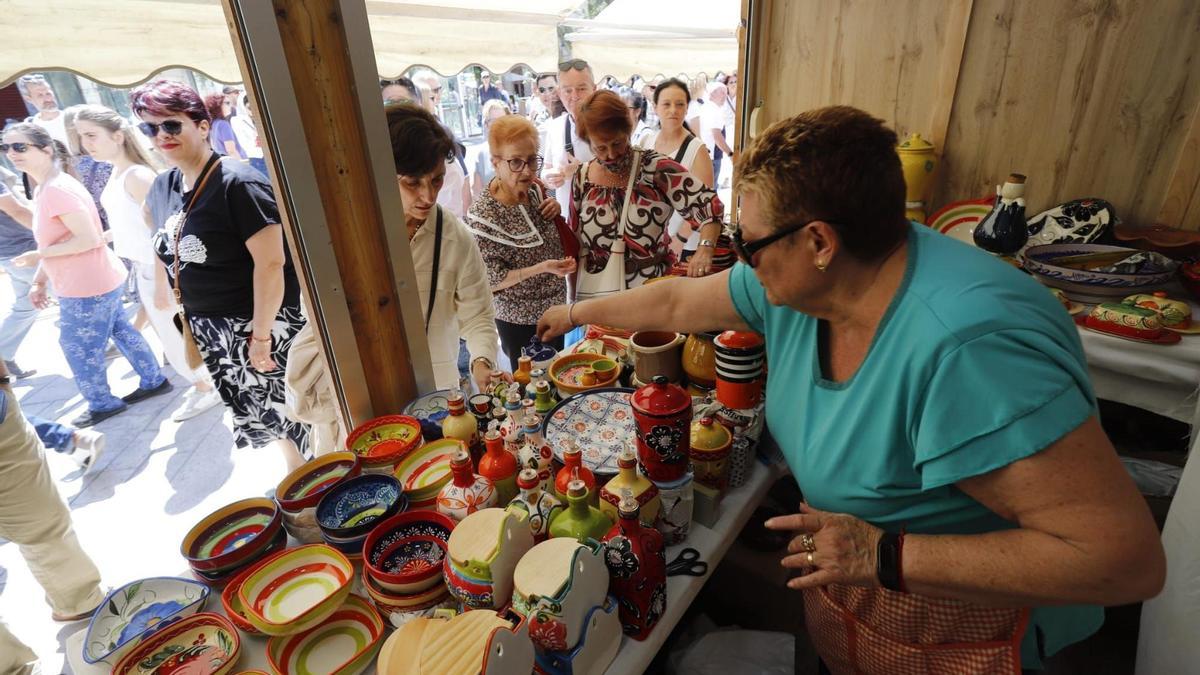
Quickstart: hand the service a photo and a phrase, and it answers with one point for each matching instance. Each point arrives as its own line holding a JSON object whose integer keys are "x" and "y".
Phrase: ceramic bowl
{"x": 392, "y": 552}
{"x": 381, "y": 442}
{"x": 430, "y": 410}
{"x": 1040, "y": 262}
{"x": 304, "y": 487}
{"x": 200, "y": 643}
{"x": 344, "y": 644}
{"x": 424, "y": 471}
{"x": 222, "y": 578}
{"x": 353, "y": 508}
{"x": 232, "y": 535}
{"x": 231, "y": 602}
{"x": 136, "y": 610}
{"x": 388, "y": 601}
{"x": 297, "y": 589}
{"x": 567, "y": 370}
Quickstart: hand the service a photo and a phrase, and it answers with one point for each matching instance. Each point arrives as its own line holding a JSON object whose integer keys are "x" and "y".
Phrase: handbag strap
{"x": 683, "y": 148}
{"x": 437, "y": 260}
{"x": 567, "y": 144}
{"x": 633, "y": 173}
{"x": 205, "y": 174}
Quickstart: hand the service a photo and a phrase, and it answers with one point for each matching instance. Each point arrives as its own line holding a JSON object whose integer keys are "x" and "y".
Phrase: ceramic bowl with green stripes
{"x": 232, "y": 536}
{"x": 297, "y": 589}
{"x": 344, "y": 644}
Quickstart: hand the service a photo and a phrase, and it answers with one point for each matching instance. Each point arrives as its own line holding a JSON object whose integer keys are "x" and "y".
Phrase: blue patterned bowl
{"x": 405, "y": 553}
{"x": 136, "y": 610}
{"x": 352, "y": 509}
{"x": 1084, "y": 284}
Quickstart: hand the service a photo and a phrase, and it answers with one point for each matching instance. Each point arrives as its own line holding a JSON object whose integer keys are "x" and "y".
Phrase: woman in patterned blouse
{"x": 661, "y": 188}
{"x": 513, "y": 222}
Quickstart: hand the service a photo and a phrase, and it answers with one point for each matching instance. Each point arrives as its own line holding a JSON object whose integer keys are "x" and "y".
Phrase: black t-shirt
{"x": 216, "y": 269}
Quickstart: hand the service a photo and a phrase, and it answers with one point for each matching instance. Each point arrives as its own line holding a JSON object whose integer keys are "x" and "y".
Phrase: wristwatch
{"x": 486, "y": 361}
{"x": 888, "y": 557}
{"x": 707, "y": 242}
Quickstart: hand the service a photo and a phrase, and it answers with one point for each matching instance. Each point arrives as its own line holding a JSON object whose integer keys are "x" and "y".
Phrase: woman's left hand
{"x": 842, "y": 550}
{"x": 550, "y": 208}
{"x": 260, "y": 355}
{"x": 700, "y": 264}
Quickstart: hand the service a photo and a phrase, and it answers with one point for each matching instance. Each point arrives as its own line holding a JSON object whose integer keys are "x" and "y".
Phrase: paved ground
{"x": 156, "y": 479}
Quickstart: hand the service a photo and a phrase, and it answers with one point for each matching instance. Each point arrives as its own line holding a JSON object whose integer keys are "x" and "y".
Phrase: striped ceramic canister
{"x": 740, "y": 356}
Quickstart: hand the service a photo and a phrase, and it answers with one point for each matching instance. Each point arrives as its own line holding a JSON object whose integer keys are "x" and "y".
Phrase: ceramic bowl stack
{"x": 232, "y": 538}
{"x": 349, "y": 511}
{"x": 424, "y": 471}
{"x": 382, "y": 442}
{"x": 296, "y": 590}
{"x": 299, "y": 493}
{"x": 135, "y": 610}
{"x": 200, "y": 643}
{"x": 345, "y": 644}
{"x": 402, "y": 562}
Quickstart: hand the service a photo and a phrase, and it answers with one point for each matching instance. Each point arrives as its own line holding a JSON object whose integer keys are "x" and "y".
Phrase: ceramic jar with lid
{"x": 481, "y": 555}
{"x": 573, "y": 469}
{"x": 740, "y": 356}
{"x": 580, "y": 521}
{"x": 556, "y": 586}
{"x": 629, "y": 483}
{"x": 700, "y": 361}
{"x": 663, "y": 413}
{"x": 540, "y": 354}
{"x": 498, "y": 466}
{"x": 535, "y": 452}
{"x": 711, "y": 445}
{"x": 917, "y": 161}
{"x": 535, "y": 506}
{"x": 637, "y": 566}
{"x": 467, "y": 491}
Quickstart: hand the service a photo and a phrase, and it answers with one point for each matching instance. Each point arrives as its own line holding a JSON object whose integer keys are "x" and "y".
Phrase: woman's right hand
{"x": 554, "y": 322}
{"x": 559, "y": 268}
{"x": 38, "y": 296}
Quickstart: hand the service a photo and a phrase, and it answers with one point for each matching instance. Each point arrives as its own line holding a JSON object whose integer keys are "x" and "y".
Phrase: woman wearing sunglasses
{"x": 219, "y": 236}
{"x": 513, "y": 221}
{"x": 85, "y": 274}
{"x": 933, "y": 404}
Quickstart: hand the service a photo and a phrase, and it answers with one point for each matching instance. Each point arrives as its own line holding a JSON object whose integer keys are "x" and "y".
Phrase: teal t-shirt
{"x": 974, "y": 366}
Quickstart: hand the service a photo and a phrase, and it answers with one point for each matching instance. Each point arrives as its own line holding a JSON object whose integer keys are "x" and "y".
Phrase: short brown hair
{"x": 419, "y": 141}
{"x": 837, "y": 164}
{"x": 510, "y": 129}
{"x": 603, "y": 113}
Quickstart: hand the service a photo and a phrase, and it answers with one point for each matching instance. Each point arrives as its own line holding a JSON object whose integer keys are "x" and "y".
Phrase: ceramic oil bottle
{"x": 536, "y": 453}
{"x": 629, "y": 482}
{"x": 1003, "y": 231}
{"x": 533, "y": 504}
{"x": 580, "y": 521}
{"x": 458, "y": 424}
{"x": 498, "y": 466}
{"x": 573, "y": 469}
{"x": 467, "y": 492}
{"x": 637, "y": 564}
{"x": 544, "y": 400}
{"x": 522, "y": 375}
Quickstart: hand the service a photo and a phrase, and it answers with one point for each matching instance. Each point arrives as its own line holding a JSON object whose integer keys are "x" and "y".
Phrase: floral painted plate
{"x": 202, "y": 643}
{"x": 344, "y": 644}
{"x": 599, "y": 421}
{"x": 958, "y": 219}
{"x": 430, "y": 409}
{"x": 136, "y": 610}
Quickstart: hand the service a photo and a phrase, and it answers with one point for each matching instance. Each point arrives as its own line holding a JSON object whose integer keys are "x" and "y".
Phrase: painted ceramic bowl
{"x": 1082, "y": 284}
{"x": 395, "y": 553}
{"x": 381, "y": 442}
{"x": 353, "y": 508}
{"x": 297, "y": 589}
{"x": 222, "y": 578}
{"x": 303, "y": 487}
{"x": 344, "y": 644}
{"x": 599, "y": 421}
{"x": 569, "y": 373}
{"x": 424, "y": 471}
{"x": 430, "y": 410}
{"x": 232, "y": 535}
{"x": 231, "y": 602}
{"x": 136, "y": 610}
{"x": 389, "y": 601}
{"x": 201, "y": 643}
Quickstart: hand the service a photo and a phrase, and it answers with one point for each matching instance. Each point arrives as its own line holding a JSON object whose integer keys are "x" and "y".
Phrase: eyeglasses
{"x": 19, "y": 148}
{"x": 746, "y": 250}
{"x": 518, "y": 164}
{"x": 573, "y": 64}
{"x": 546, "y": 90}
{"x": 172, "y": 127}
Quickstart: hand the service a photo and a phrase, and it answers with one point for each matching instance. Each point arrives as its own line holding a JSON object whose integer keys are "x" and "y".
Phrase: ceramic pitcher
{"x": 657, "y": 353}
{"x": 663, "y": 413}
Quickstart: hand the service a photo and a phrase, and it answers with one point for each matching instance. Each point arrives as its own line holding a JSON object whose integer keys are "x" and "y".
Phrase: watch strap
{"x": 888, "y": 557}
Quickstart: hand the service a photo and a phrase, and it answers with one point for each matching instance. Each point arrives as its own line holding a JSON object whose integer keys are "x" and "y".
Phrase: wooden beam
{"x": 958, "y": 18}
{"x": 1184, "y": 189}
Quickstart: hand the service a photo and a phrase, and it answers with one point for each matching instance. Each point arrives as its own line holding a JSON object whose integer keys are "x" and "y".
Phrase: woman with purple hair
{"x": 220, "y": 238}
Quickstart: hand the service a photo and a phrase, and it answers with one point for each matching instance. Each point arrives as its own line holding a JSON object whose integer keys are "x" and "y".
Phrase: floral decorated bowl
{"x": 424, "y": 471}
{"x": 381, "y": 442}
{"x": 297, "y": 589}
{"x": 201, "y": 643}
{"x": 232, "y": 535}
{"x": 344, "y": 644}
{"x": 430, "y": 410}
{"x": 135, "y": 611}
{"x": 405, "y": 553}
{"x": 351, "y": 510}
{"x": 389, "y": 601}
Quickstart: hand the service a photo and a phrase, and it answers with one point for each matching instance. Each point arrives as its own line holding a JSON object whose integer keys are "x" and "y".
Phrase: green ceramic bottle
{"x": 580, "y": 520}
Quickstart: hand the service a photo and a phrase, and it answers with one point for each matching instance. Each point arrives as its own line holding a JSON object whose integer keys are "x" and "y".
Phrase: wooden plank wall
{"x": 1096, "y": 98}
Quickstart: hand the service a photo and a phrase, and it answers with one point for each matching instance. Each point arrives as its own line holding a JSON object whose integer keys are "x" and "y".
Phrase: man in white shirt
{"x": 37, "y": 92}
{"x": 713, "y": 126}
{"x": 564, "y": 151}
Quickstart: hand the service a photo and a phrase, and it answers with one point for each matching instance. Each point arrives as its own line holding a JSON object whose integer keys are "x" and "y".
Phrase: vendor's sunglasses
{"x": 519, "y": 164}
{"x": 573, "y": 64}
{"x": 19, "y": 148}
{"x": 746, "y": 250}
{"x": 172, "y": 127}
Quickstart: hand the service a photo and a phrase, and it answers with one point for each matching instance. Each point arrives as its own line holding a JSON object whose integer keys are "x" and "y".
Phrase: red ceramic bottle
{"x": 637, "y": 565}
{"x": 499, "y": 466}
{"x": 663, "y": 412}
{"x": 573, "y": 469}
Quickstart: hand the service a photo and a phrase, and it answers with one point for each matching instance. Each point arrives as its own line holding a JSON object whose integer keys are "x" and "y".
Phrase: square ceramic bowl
{"x": 381, "y": 442}
{"x": 402, "y": 570}
{"x": 297, "y": 589}
{"x": 424, "y": 470}
{"x": 232, "y": 535}
{"x": 344, "y": 644}
{"x": 352, "y": 509}
{"x": 201, "y": 643}
{"x": 136, "y": 610}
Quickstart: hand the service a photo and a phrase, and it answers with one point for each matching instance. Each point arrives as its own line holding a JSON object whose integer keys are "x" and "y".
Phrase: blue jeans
{"x": 22, "y": 314}
{"x": 57, "y": 437}
{"x": 261, "y": 164}
{"x": 85, "y": 326}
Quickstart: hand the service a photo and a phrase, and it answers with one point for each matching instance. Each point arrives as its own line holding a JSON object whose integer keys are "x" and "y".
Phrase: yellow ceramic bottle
{"x": 917, "y": 161}
{"x": 458, "y": 424}
{"x": 628, "y": 482}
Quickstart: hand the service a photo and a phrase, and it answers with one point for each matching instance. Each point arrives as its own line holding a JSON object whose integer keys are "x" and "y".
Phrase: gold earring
{"x": 821, "y": 265}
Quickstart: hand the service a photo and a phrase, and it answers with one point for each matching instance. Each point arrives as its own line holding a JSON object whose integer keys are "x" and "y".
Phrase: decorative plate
{"x": 136, "y": 610}
{"x": 297, "y": 589}
{"x": 343, "y": 645}
{"x": 1081, "y": 221}
{"x": 1167, "y": 337}
{"x": 600, "y": 421}
{"x": 958, "y": 219}
{"x": 423, "y": 471}
{"x": 199, "y": 644}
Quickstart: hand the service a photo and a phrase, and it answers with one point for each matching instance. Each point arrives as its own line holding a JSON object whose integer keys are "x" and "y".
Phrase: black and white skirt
{"x": 255, "y": 399}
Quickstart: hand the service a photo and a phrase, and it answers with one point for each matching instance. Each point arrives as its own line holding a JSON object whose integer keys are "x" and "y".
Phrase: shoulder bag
{"x": 191, "y": 351}
{"x": 612, "y": 278}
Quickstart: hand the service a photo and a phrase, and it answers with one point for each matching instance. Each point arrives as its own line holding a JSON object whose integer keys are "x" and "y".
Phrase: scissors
{"x": 687, "y": 562}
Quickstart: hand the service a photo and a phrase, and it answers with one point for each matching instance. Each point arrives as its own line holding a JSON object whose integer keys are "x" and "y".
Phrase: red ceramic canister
{"x": 740, "y": 357}
{"x": 663, "y": 412}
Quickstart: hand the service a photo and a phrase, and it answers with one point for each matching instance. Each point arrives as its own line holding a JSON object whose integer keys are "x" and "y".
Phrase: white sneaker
{"x": 89, "y": 445}
{"x": 196, "y": 402}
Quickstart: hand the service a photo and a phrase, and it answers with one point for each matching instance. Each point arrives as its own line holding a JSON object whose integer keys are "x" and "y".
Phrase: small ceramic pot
{"x": 657, "y": 353}
{"x": 233, "y": 535}
{"x": 700, "y": 360}
{"x": 663, "y": 413}
{"x": 710, "y": 448}
{"x": 678, "y": 500}
{"x": 746, "y": 426}
{"x": 740, "y": 357}
{"x": 352, "y": 509}
{"x": 381, "y": 443}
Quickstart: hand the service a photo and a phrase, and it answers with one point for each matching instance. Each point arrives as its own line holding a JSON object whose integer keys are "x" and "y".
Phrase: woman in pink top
{"x": 85, "y": 274}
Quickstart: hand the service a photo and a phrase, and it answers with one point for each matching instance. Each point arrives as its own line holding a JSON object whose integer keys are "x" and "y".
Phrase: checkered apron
{"x": 875, "y": 631}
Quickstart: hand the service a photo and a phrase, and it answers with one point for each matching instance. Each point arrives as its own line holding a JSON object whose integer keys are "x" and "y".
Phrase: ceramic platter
{"x": 201, "y": 643}
{"x": 599, "y": 421}
{"x": 133, "y": 609}
{"x": 958, "y": 219}
{"x": 343, "y": 645}
{"x": 1167, "y": 337}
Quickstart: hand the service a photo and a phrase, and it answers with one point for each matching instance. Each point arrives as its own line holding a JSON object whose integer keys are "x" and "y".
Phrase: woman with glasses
{"x": 513, "y": 221}
{"x": 220, "y": 239}
{"x": 85, "y": 274}
{"x": 934, "y": 405}
{"x": 661, "y": 187}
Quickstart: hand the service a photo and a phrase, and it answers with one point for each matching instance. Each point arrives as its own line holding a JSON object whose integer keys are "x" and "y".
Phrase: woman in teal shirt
{"x": 964, "y": 510}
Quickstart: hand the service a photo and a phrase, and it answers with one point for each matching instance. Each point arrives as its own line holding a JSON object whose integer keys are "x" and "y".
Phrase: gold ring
{"x": 811, "y": 559}
{"x": 807, "y": 543}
